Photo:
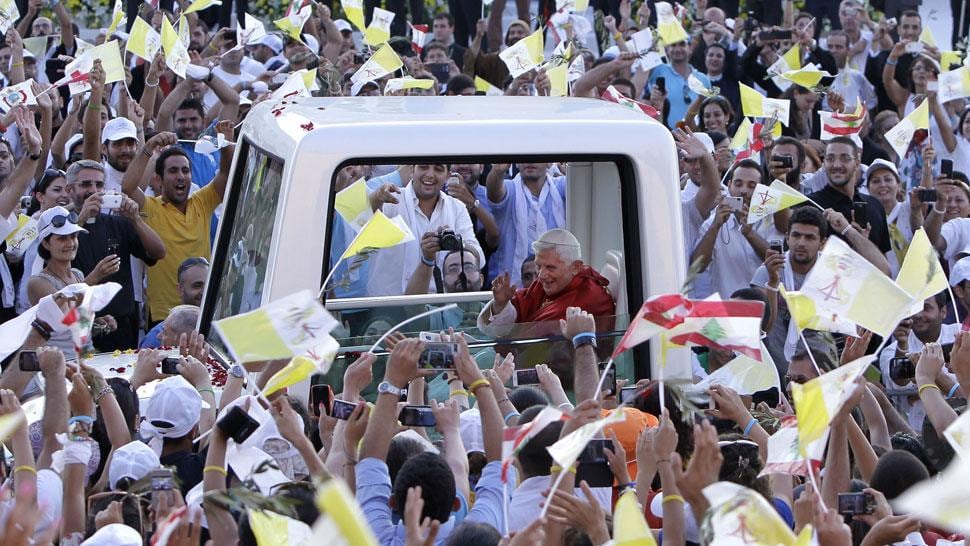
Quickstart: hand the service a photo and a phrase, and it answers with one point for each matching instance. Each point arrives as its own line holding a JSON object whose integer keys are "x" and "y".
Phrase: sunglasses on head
{"x": 60, "y": 219}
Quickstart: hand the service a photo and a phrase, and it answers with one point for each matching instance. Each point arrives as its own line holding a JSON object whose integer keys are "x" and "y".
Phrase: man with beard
{"x": 115, "y": 146}
{"x": 525, "y": 207}
{"x": 841, "y": 172}
{"x": 119, "y": 237}
{"x": 426, "y": 209}
{"x": 182, "y": 221}
{"x": 226, "y": 107}
{"x": 189, "y": 125}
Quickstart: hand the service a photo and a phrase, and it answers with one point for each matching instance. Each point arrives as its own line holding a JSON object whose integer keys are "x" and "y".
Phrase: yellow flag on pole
{"x": 901, "y": 135}
{"x": 407, "y": 82}
{"x": 354, "y": 10}
{"x": 819, "y": 400}
{"x": 341, "y": 519}
{"x": 954, "y": 84}
{"x": 292, "y": 24}
{"x": 756, "y": 105}
{"x": 668, "y": 26}
{"x": 742, "y": 517}
{"x": 629, "y": 526}
{"x": 524, "y": 55}
{"x": 744, "y": 375}
{"x": 282, "y": 329}
{"x": 353, "y": 204}
{"x": 767, "y": 200}
{"x": 200, "y": 5}
{"x": 483, "y": 86}
{"x": 272, "y": 529}
{"x": 806, "y": 315}
{"x": 380, "y": 232}
{"x": 948, "y": 59}
{"x": 558, "y": 85}
{"x": 176, "y": 55}
{"x": 143, "y": 41}
{"x": 379, "y": 30}
{"x": 808, "y": 76}
{"x": 380, "y": 64}
{"x": 921, "y": 274}
{"x": 9, "y": 14}
{"x": 117, "y": 16}
{"x": 295, "y": 371}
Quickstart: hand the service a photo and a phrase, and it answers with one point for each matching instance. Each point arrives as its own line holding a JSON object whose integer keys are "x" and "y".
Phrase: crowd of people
{"x": 106, "y": 184}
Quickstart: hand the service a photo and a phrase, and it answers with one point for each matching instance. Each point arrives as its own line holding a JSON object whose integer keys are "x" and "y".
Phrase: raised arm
{"x": 92, "y": 114}
{"x": 22, "y": 175}
{"x": 153, "y": 244}
{"x": 166, "y": 112}
{"x": 222, "y": 526}
{"x": 704, "y": 251}
{"x": 150, "y": 90}
{"x": 896, "y": 92}
{"x": 33, "y": 8}
{"x": 478, "y": 386}
{"x": 335, "y": 42}
{"x": 221, "y": 179}
{"x": 586, "y": 374}
{"x": 586, "y": 83}
{"x": 228, "y": 98}
{"x": 447, "y": 422}
{"x": 942, "y": 121}
{"x": 67, "y": 27}
{"x": 495, "y": 182}
{"x": 928, "y": 369}
{"x": 401, "y": 368}
{"x": 16, "y": 74}
{"x": 46, "y": 109}
{"x": 859, "y": 242}
{"x": 129, "y": 184}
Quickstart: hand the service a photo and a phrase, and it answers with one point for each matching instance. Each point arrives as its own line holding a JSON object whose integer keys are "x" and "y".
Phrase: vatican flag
{"x": 629, "y": 526}
{"x": 921, "y": 273}
{"x": 818, "y": 401}
{"x": 756, "y": 105}
{"x": 143, "y": 41}
{"x": 407, "y": 82}
{"x": 353, "y": 204}
{"x": 524, "y": 55}
{"x": 901, "y": 135}
{"x": 954, "y": 84}
{"x": 176, "y": 55}
{"x": 742, "y": 517}
{"x": 354, "y": 9}
{"x": 767, "y": 200}
{"x": 380, "y": 64}
{"x": 668, "y": 26}
{"x": 379, "y": 232}
{"x": 379, "y": 30}
{"x": 200, "y": 5}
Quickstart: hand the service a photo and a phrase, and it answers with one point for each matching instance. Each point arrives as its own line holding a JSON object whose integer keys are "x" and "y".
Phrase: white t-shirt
{"x": 231, "y": 79}
{"x": 734, "y": 261}
{"x": 956, "y": 233}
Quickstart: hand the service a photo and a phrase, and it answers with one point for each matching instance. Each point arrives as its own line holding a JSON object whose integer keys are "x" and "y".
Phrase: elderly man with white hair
{"x": 562, "y": 281}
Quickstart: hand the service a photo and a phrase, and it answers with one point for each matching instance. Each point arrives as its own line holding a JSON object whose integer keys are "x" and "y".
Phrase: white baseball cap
{"x": 706, "y": 139}
{"x": 75, "y": 139}
{"x": 312, "y": 43}
{"x": 271, "y": 41}
{"x": 173, "y": 410}
{"x": 343, "y": 25}
{"x": 57, "y": 221}
{"x": 134, "y": 460}
{"x": 114, "y": 534}
{"x": 881, "y": 164}
{"x": 960, "y": 271}
{"x": 119, "y": 129}
{"x": 470, "y": 430}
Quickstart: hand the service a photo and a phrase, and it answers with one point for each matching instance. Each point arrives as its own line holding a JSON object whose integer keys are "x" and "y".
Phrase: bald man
{"x": 562, "y": 281}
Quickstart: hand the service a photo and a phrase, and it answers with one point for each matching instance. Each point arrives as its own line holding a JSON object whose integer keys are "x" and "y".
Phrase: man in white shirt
{"x": 910, "y": 337}
{"x": 268, "y": 51}
{"x": 850, "y": 82}
{"x": 859, "y": 38}
{"x": 731, "y": 247}
{"x": 425, "y": 209}
{"x": 120, "y": 138}
{"x": 229, "y": 71}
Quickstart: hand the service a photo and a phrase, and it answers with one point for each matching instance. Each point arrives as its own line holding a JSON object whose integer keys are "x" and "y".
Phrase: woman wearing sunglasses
{"x": 58, "y": 231}
{"x": 50, "y": 192}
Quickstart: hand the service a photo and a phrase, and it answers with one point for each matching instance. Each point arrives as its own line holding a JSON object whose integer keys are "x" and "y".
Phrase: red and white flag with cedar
{"x": 612, "y": 95}
{"x": 835, "y": 124}
{"x": 720, "y": 324}
{"x": 80, "y": 318}
{"x": 419, "y": 37}
{"x": 515, "y": 438}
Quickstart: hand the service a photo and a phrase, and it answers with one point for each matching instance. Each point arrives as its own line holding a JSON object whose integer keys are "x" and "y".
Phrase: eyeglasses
{"x": 60, "y": 219}
{"x": 687, "y": 99}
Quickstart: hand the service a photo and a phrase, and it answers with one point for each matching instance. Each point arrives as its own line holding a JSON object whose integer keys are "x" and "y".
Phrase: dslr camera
{"x": 449, "y": 241}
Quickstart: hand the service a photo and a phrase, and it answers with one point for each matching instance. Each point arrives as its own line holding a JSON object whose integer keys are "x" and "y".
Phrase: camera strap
{"x": 438, "y": 283}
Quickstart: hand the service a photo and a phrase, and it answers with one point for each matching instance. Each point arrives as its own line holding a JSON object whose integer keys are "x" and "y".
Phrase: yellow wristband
{"x": 218, "y": 469}
{"x": 460, "y": 392}
{"x": 478, "y": 383}
{"x": 556, "y": 468}
{"x": 672, "y": 498}
{"x": 25, "y": 468}
{"x": 927, "y": 386}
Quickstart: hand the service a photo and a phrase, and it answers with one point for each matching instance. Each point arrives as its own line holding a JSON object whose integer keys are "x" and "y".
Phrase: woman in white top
{"x": 961, "y": 155}
{"x": 903, "y": 214}
{"x": 922, "y": 71}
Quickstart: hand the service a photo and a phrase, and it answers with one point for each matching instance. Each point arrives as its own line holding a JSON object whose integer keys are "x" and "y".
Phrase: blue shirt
{"x": 374, "y": 490}
{"x": 677, "y": 89}
{"x": 204, "y": 166}
{"x": 511, "y": 228}
{"x": 151, "y": 340}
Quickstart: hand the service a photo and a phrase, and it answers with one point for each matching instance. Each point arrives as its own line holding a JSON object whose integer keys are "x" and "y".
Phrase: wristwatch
{"x": 475, "y": 205}
{"x": 237, "y": 371}
{"x": 386, "y": 388}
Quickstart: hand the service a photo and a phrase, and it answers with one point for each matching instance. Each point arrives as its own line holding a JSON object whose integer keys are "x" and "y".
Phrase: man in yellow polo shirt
{"x": 183, "y": 221}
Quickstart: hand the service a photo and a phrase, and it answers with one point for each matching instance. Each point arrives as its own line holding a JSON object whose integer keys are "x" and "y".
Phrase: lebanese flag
{"x": 514, "y": 438}
{"x": 719, "y": 324}
{"x": 612, "y": 95}
{"x": 419, "y": 37}
{"x": 835, "y": 124}
{"x": 75, "y": 77}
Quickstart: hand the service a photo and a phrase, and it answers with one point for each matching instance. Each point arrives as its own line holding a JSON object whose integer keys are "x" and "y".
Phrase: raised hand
{"x": 502, "y": 291}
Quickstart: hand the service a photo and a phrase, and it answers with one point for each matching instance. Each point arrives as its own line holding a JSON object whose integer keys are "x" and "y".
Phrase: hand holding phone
{"x": 417, "y": 416}
{"x": 341, "y": 409}
{"x": 860, "y": 214}
{"x": 237, "y": 424}
{"x": 527, "y": 377}
{"x": 29, "y": 361}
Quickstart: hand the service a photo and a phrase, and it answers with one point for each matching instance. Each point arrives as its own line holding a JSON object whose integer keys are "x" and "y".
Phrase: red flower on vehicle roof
{"x": 307, "y": 126}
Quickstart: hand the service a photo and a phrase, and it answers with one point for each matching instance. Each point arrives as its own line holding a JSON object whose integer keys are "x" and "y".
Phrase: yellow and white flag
{"x": 272, "y": 529}
{"x": 117, "y": 16}
{"x": 744, "y": 375}
{"x": 948, "y": 59}
{"x": 954, "y": 84}
{"x": 353, "y": 205}
{"x": 183, "y": 31}
{"x": 958, "y": 434}
{"x": 9, "y": 423}
{"x": 927, "y": 37}
{"x": 341, "y": 521}
{"x": 483, "y": 86}
{"x": 791, "y": 60}
{"x": 37, "y": 46}
{"x": 380, "y": 64}
{"x": 110, "y": 57}
{"x": 921, "y": 273}
{"x": 379, "y": 232}
{"x": 379, "y": 30}
{"x": 558, "y": 83}
{"x": 292, "y": 24}
{"x": 253, "y": 31}
{"x": 407, "y": 82}
{"x": 566, "y": 450}
{"x": 296, "y": 370}
{"x": 805, "y": 314}
{"x": 20, "y": 238}
{"x": 21, "y": 93}
{"x": 630, "y": 528}
{"x": 295, "y": 85}
{"x": 819, "y": 400}
{"x": 845, "y": 285}
{"x": 668, "y": 26}
{"x": 575, "y": 6}
{"x": 176, "y": 55}
{"x": 282, "y": 329}
{"x": 9, "y": 14}
{"x": 901, "y": 135}
{"x": 354, "y": 10}
{"x": 941, "y": 500}
{"x": 143, "y": 41}
{"x": 524, "y": 55}
{"x": 756, "y": 105}
{"x": 199, "y": 5}
{"x": 697, "y": 86}
{"x": 742, "y": 517}
{"x": 808, "y": 76}
{"x": 767, "y": 200}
